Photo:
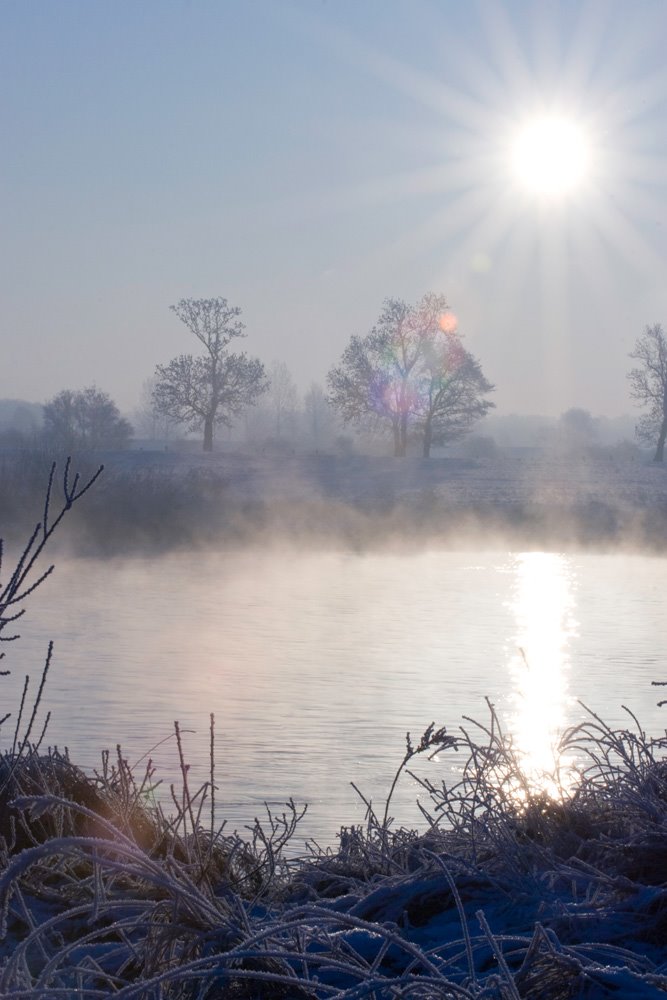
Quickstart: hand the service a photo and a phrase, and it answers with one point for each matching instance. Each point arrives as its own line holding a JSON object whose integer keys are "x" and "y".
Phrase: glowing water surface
{"x": 315, "y": 665}
{"x": 543, "y": 606}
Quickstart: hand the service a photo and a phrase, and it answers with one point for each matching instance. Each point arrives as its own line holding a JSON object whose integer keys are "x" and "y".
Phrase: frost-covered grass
{"x": 508, "y": 892}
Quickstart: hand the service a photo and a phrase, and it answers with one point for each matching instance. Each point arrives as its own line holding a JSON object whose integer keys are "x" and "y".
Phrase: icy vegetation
{"x": 512, "y": 892}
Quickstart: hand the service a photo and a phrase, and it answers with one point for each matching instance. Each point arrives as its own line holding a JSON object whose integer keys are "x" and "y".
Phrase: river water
{"x": 316, "y": 664}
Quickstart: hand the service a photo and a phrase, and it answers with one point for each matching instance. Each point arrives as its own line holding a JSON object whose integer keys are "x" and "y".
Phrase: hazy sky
{"x": 308, "y": 159}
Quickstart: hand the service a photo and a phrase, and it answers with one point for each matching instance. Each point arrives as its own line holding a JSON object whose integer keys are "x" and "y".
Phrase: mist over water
{"x": 316, "y": 664}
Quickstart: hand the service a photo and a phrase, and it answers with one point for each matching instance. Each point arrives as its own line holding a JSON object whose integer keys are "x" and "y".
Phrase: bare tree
{"x": 85, "y": 419}
{"x": 214, "y": 388}
{"x": 283, "y": 395}
{"x": 371, "y": 387}
{"x": 648, "y": 387}
{"x": 410, "y": 371}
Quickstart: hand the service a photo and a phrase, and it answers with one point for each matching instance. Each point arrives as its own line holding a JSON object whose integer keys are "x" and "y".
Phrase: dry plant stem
{"x": 433, "y": 740}
{"x": 186, "y": 802}
{"x": 212, "y": 776}
{"x": 20, "y": 714}
{"x": 461, "y": 912}
{"x": 500, "y": 958}
{"x": 38, "y": 698}
{"x": 20, "y": 586}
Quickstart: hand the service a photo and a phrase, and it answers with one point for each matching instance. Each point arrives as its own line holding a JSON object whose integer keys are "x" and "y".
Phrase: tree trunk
{"x": 404, "y": 435}
{"x": 397, "y": 439}
{"x": 208, "y": 434}
{"x": 399, "y": 444}
{"x": 660, "y": 450}
{"x": 428, "y": 439}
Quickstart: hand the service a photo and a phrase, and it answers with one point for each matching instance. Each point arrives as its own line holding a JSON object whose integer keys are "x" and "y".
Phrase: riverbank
{"x": 510, "y": 894}
{"x": 163, "y": 501}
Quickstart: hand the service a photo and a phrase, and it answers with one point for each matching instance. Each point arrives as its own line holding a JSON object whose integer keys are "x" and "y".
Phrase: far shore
{"x": 160, "y": 500}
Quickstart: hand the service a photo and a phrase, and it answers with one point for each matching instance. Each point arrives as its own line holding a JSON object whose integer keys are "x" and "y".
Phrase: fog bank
{"x": 153, "y": 502}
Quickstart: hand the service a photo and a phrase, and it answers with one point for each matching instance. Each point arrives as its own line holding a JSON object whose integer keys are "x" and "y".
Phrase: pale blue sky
{"x": 308, "y": 159}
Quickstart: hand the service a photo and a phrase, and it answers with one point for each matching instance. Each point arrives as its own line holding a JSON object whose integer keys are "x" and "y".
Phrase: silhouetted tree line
{"x": 410, "y": 377}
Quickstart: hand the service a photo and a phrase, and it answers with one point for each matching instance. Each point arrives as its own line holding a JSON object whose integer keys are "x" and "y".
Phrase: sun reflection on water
{"x": 543, "y": 607}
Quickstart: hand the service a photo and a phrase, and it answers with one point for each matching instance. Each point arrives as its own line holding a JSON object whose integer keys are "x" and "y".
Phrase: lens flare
{"x": 448, "y": 322}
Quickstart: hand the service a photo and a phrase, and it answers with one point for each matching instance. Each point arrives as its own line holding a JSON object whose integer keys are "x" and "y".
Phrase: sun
{"x": 550, "y": 156}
